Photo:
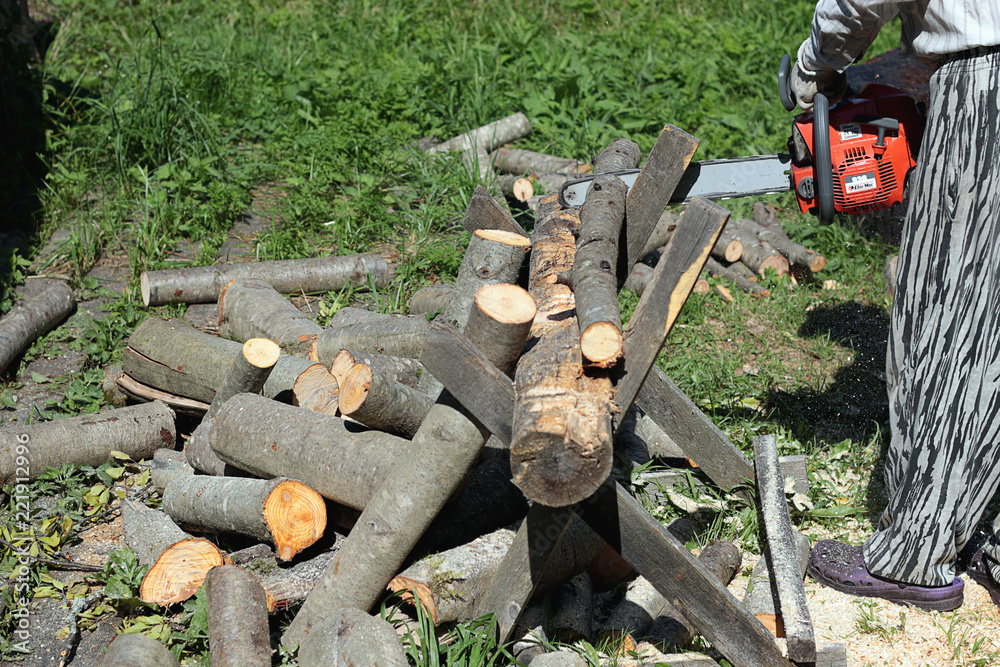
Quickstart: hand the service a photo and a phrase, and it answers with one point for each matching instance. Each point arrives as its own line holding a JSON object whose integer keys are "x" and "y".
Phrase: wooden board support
{"x": 781, "y": 544}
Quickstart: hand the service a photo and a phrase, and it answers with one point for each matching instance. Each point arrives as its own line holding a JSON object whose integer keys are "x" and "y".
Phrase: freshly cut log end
{"x": 354, "y": 391}
{"x": 144, "y": 288}
{"x": 817, "y": 263}
{"x": 701, "y": 287}
{"x": 310, "y": 381}
{"x": 505, "y": 303}
{"x": 733, "y": 250}
{"x": 261, "y": 352}
{"x": 179, "y": 572}
{"x": 601, "y": 344}
{"x": 296, "y": 517}
{"x": 778, "y": 263}
{"x": 341, "y": 366}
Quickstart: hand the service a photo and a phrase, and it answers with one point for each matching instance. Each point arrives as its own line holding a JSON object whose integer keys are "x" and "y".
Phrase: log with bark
{"x": 142, "y": 393}
{"x": 560, "y": 659}
{"x": 176, "y": 358}
{"x": 203, "y": 284}
{"x": 253, "y": 309}
{"x": 573, "y": 609}
{"x": 759, "y": 255}
{"x": 520, "y": 188}
{"x": 238, "y": 634}
{"x": 138, "y": 431}
{"x": 401, "y": 369}
{"x": 736, "y": 277}
{"x": 166, "y": 466}
{"x": 249, "y": 371}
{"x": 32, "y": 318}
{"x": 761, "y": 597}
{"x": 660, "y": 235}
{"x": 796, "y": 253}
{"x": 561, "y": 446}
{"x": 488, "y": 137}
{"x": 199, "y": 454}
{"x": 284, "y": 583}
{"x": 396, "y": 335}
{"x": 134, "y": 649}
{"x": 377, "y": 401}
{"x": 285, "y": 512}
{"x": 177, "y": 562}
{"x": 352, "y": 637}
{"x": 430, "y": 300}
{"x": 595, "y": 285}
{"x": 519, "y": 161}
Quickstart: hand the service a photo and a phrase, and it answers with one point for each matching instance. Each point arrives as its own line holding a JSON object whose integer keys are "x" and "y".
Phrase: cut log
{"x": 168, "y": 465}
{"x": 199, "y": 454}
{"x": 660, "y": 305}
{"x": 640, "y": 439}
{"x": 137, "y": 431}
{"x": 137, "y": 650}
{"x": 173, "y": 357}
{"x": 253, "y": 309}
{"x": 284, "y": 584}
{"x": 113, "y": 394}
{"x": 619, "y": 155}
{"x": 761, "y": 597}
{"x": 785, "y": 561}
{"x": 647, "y": 199}
{"x": 341, "y": 365}
{"x": 701, "y": 286}
{"x": 177, "y": 562}
{"x": 203, "y": 284}
{"x": 248, "y": 372}
{"x": 760, "y": 256}
{"x": 639, "y": 278}
{"x": 238, "y": 634}
{"x": 660, "y": 235}
{"x": 560, "y": 659}
{"x": 573, "y": 607}
{"x": 352, "y": 637}
{"x": 485, "y": 213}
{"x": 500, "y": 320}
{"x": 396, "y": 335}
{"x": 315, "y": 389}
{"x": 670, "y": 630}
{"x": 430, "y": 300}
{"x": 339, "y": 460}
{"x": 284, "y": 512}
{"x": 519, "y": 161}
{"x": 382, "y": 403}
{"x": 488, "y": 137}
{"x": 561, "y": 446}
{"x": 734, "y": 276}
{"x": 595, "y": 285}
{"x": 796, "y": 254}
{"x": 32, "y": 318}
{"x": 401, "y": 369}
{"x": 516, "y": 187}
{"x": 728, "y": 248}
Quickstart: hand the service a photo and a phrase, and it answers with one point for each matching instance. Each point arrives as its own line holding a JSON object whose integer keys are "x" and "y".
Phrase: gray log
{"x": 137, "y": 650}
{"x": 32, "y": 318}
{"x": 352, "y": 637}
{"x": 167, "y": 466}
{"x": 249, "y": 371}
{"x": 253, "y": 309}
{"x": 238, "y": 633}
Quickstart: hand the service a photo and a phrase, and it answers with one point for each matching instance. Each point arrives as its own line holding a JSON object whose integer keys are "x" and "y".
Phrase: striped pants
{"x": 943, "y": 365}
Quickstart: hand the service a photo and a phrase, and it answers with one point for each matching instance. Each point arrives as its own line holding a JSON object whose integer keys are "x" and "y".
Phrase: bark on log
{"x": 173, "y": 357}
{"x": 647, "y": 199}
{"x": 248, "y": 372}
{"x": 760, "y": 255}
{"x": 285, "y": 512}
{"x": 519, "y": 161}
{"x": 32, "y": 318}
{"x": 735, "y": 277}
{"x": 485, "y": 213}
{"x": 660, "y": 235}
{"x": 382, "y": 403}
{"x": 639, "y": 278}
{"x": 641, "y": 439}
{"x": 595, "y": 285}
{"x": 177, "y": 563}
{"x": 561, "y": 446}
{"x": 253, "y": 309}
{"x": 113, "y": 394}
{"x": 284, "y": 584}
{"x": 430, "y": 300}
{"x": 137, "y": 650}
{"x": 560, "y": 659}
{"x": 396, "y": 335}
{"x": 401, "y": 369}
{"x": 138, "y": 431}
{"x": 199, "y": 454}
{"x": 619, "y": 155}
{"x": 796, "y": 253}
{"x": 728, "y": 248}
{"x": 761, "y": 597}
{"x": 573, "y": 617}
{"x": 670, "y": 630}
{"x": 488, "y": 137}
{"x": 238, "y": 633}
{"x": 339, "y": 460}
{"x": 202, "y": 284}
{"x": 168, "y": 465}
{"x": 352, "y": 637}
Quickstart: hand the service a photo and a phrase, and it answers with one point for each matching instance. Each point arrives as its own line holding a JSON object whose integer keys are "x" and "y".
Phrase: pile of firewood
{"x": 424, "y": 439}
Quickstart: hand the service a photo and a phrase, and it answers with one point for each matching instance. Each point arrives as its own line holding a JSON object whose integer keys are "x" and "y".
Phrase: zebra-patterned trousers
{"x": 943, "y": 363}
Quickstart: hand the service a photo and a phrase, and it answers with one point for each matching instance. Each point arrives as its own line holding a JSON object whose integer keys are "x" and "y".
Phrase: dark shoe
{"x": 980, "y": 573}
{"x": 842, "y": 567}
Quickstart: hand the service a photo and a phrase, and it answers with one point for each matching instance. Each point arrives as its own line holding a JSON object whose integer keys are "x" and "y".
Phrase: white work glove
{"x": 806, "y": 84}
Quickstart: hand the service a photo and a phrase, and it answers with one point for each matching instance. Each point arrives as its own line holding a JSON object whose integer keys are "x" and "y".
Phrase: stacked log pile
{"x": 425, "y": 439}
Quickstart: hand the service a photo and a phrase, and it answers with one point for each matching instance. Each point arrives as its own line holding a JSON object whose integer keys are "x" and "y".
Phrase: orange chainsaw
{"x": 852, "y": 157}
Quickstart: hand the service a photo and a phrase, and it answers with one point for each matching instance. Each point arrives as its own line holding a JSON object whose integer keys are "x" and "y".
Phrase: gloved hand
{"x": 806, "y": 84}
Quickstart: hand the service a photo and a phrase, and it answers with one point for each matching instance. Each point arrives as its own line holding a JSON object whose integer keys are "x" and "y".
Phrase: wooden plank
{"x": 650, "y": 195}
{"x": 485, "y": 213}
{"x": 470, "y": 377}
{"x": 674, "y": 276}
{"x": 781, "y": 544}
{"x": 680, "y": 577}
{"x": 700, "y": 439}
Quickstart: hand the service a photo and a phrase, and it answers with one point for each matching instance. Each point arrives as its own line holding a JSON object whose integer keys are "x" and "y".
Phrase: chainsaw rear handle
{"x": 822, "y": 164}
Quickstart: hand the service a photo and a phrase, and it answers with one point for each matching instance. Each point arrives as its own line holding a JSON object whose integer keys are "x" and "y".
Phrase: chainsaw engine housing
{"x": 874, "y": 138}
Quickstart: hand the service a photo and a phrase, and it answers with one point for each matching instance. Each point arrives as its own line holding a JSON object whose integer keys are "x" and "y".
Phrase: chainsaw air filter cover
{"x": 873, "y": 145}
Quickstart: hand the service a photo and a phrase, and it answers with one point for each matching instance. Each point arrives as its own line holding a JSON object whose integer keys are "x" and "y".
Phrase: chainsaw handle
{"x": 822, "y": 163}
{"x": 785, "y": 83}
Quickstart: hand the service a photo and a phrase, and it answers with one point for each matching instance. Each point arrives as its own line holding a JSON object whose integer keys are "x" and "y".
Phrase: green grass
{"x": 164, "y": 121}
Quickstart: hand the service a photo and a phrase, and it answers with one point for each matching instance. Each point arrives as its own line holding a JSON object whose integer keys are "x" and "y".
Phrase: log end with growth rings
{"x": 507, "y": 238}
{"x": 179, "y": 572}
{"x": 296, "y": 517}
{"x": 733, "y": 251}
{"x": 354, "y": 391}
{"x": 144, "y": 288}
{"x": 601, "y": 344}
{"x": 261, "y": 352}
{"x": 506, "y": 304}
